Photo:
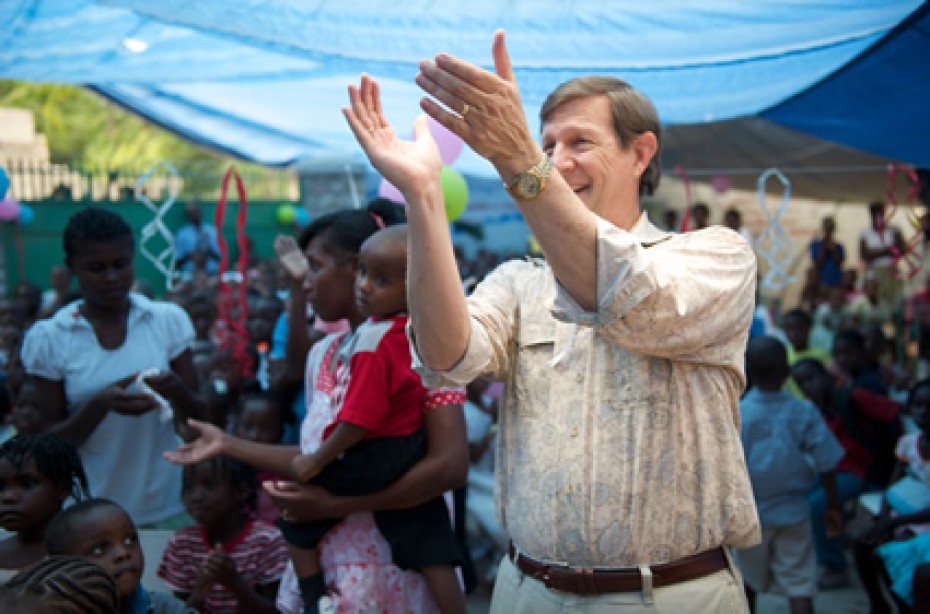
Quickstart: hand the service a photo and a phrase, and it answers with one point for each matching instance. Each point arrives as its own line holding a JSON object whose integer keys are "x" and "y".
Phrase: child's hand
{"x": 219, "y": 568}
{"x": 305, "y": 467}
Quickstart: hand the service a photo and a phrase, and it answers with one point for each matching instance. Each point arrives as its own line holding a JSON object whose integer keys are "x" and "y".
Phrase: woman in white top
{"x": 85, "y": 357}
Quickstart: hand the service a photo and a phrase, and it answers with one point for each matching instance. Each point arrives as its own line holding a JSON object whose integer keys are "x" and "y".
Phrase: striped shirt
{"x": 259, "y": 552}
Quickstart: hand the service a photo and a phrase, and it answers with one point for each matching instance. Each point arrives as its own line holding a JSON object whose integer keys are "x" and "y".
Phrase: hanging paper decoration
{"x": 686, "y": 181}
{"x": 910, "y": 255}
{"x": 774, "y": 244}
{"x": 164, "y": 260}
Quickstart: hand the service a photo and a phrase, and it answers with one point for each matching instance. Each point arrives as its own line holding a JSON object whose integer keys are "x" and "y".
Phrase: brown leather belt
{"x": 590, "y": 581}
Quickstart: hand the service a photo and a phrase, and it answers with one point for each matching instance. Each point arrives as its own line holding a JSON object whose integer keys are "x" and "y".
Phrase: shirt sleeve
{"x": 689, "y": 297}
{"x": 177, "y": 329}
{"x": 492, "y": 309}
{"x": 40, "y": 353}
{"x": 441, "y": 397}
{"x": 175, "y": 567}
{"x": 274, "y": 557}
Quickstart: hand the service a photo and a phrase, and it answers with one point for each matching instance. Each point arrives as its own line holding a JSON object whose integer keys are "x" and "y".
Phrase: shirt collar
{"x": 70, "y": 316}
{"x": 647, "y": 233}
{"x": 140, "y": 602}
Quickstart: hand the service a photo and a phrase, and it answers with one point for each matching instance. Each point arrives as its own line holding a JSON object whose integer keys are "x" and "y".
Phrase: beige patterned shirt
{"x": 619, "y": 431}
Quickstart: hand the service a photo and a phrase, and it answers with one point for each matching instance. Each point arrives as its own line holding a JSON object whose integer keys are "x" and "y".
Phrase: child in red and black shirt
{"x": 377, "y": 434}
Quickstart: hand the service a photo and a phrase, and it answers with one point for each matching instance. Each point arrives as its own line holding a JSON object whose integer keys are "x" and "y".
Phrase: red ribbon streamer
{"x": 233, "y": 311}
{"x": 686, "y": 218}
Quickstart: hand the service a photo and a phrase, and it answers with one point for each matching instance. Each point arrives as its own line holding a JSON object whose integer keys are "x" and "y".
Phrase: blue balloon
{"x": 26, "y": 215}
{"x": 302, "y": 216}
{"x": 4, "y": 182}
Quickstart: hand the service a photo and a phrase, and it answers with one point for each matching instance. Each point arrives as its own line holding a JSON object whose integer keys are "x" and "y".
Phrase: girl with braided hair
{"x": 60, "y": 584}
{"x": 38, "y": 473}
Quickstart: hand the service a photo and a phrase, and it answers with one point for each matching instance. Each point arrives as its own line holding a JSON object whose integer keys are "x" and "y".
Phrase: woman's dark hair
{"x": 94, "y": 224}
{"x": 64, "y": 585}
{"x": 55, "y": 457}
{"x": 240, "y": 476}
{"x": 347, "y": 229}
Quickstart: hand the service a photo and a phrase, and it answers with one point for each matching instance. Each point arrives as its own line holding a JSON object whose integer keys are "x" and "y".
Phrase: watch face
{"x": 529, "y": 185}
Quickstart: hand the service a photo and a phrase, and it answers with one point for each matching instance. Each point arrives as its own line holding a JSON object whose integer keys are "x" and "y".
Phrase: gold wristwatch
{"x": 530, "y": 183}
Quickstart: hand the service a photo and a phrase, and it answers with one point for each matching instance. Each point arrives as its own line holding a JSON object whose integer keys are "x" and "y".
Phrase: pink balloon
{"x": 388, "y": 191}
{"x": 9, "y": 210}
{"x": 450, "y": 145}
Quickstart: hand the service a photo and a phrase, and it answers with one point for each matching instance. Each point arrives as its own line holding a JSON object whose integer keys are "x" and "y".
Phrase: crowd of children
{"x": 299, "y": 386}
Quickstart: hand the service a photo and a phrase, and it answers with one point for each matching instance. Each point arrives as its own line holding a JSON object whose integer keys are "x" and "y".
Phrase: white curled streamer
{"x": 773, "y": 244}
{"x": 165, "y": 260}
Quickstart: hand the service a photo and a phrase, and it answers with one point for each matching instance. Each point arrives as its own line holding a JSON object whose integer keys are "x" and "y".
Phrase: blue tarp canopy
{"x": 265, "y": 79}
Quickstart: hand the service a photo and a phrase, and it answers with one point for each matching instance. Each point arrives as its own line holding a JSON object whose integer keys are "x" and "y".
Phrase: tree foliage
{"x": 84, "y": 129}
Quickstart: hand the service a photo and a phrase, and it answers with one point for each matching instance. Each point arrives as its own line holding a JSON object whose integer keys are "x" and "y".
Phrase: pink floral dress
{"x": 356, "y": 560}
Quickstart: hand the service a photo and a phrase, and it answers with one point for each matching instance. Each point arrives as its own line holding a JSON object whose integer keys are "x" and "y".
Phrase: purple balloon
{"x": 388, "y": 191}
{"x": 450, "y": 145}
{"x": 9, "y": 210}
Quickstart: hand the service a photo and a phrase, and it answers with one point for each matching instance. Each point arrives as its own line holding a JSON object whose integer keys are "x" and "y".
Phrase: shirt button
{"x": 574, "y": 431}
{"x": 571, "y": 548}
{"x": 569, "y": 490}
{"x": 579, "y": 377}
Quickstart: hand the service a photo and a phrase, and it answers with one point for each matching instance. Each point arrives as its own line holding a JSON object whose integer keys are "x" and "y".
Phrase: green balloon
{"x": 286, "y": 214}
{"x": 454, "y": 191}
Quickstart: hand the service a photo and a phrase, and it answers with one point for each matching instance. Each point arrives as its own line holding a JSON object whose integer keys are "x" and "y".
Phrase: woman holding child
{"x": 354, "y": 556}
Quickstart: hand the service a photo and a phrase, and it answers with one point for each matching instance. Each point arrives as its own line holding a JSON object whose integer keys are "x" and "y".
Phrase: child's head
{"x": 331, "y": 244}
{"x": 918, "y": 404}
{"x": 263, "y": 315}
{"x": 218, "y": 489}
{"x": 201, "y": 307}
{"x": 261, "y": 416}
{"x": 381, "y": 280}
{"x": 814, "y": 381}
{"x": 38, "y": 472}
{"x": 60, "y": 584}
{"x": 849, "y": 351}
{"x": 99, "y": 251}
{"x": 100, "y": 531}
{"x": 766, "y": 363}
{"x": 797, "y": 326}
{"x": 26, "y": 416}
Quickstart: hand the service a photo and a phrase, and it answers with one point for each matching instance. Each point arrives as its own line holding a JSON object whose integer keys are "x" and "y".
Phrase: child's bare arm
{"x": 343, "y": 437}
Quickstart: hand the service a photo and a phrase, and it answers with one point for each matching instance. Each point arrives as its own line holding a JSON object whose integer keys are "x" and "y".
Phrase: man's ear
{"x": 645, "y": 147}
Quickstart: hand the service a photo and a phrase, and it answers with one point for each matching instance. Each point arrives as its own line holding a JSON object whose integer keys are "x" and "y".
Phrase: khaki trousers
{"x": 718, "y": 593}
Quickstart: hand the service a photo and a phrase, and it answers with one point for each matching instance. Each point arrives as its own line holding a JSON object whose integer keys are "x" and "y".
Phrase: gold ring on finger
{"x": 465, "y": 110}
